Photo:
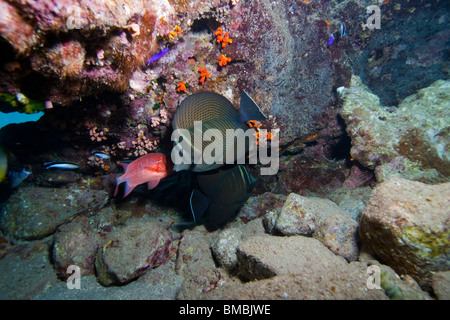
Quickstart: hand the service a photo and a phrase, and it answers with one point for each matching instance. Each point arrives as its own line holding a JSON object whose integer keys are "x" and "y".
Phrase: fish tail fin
{"x": 249, "y": 109}
{"x": 128, "y": 189}
{"x": 199, "y": 204}
{"x": 118, "y": 182}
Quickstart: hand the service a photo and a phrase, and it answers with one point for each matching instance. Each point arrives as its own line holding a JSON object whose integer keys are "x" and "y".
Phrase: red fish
{"x": 150, "y": 168}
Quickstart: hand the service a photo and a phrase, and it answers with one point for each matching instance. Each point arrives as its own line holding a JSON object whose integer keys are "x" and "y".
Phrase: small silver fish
{"x": 100, "y": 155}
{"x": 343, "y": 31}
{"x": 61, "y": 165}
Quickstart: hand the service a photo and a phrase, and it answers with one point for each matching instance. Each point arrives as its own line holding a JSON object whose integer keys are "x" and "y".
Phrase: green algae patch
{"x": 430, "y": 245}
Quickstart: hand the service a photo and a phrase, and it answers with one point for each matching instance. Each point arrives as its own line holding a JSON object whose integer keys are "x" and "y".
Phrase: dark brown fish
{"x": 222, "y": 193}
{"x": 215, "y": 112}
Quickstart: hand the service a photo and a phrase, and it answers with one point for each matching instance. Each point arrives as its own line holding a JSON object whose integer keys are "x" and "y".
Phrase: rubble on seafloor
{"x": 358, "y": 209}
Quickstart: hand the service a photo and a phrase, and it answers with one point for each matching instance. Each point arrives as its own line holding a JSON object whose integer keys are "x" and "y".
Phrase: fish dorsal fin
{"x": 249, "y": 109}
{"x": 199, "y": 204}
{"x": 124, "y": 165}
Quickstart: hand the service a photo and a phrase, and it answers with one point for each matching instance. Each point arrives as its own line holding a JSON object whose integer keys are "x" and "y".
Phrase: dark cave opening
{"x": 339, "y": 147}
{"x": 204, "y": 25}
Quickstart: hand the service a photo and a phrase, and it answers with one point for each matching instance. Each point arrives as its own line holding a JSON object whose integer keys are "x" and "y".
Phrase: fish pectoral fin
{"x": 249, "y": 109}
{"x": 152, "y": 183}
{"x": 199, "y": 204}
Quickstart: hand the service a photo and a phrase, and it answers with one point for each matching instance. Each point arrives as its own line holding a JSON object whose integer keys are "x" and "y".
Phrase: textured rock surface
{"x": 301, "y": 215}
{"x": 224, "y": 247}
{"x": 26, "y": 271}
{"x": 227, "y": 241}
{"x": 265, "y": 256}
{"x": 99, "y": 26}
{"x": 339, "y": 234}
{"x": 77, "y": 244}
{"x": 92, "y": 290}
{"x": 299, "y": 268}
{"x": 351, "y": 201}
{"x": 302, "y": 287}
{"x": 129, "y": 251}
{"x": 288, "y": 73}
{"x": 195, "y": 263}
{"x": 259, "y": 205}
{"x": 407, "y": 53}
{"x": 441, "y": 285}
{"x": 409, "y": 141}
{"x": 406, "y": 224}
{"x": 27, "y": 216}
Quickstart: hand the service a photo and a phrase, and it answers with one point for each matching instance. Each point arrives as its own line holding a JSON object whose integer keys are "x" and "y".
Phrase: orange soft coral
{"x": 223, "y": 60}
{"x": 174, "y": 33}
{"x": 223, "y": 38}
{"x": 219, "y": 32}
{"x": 226, "y": 40}
{"x": 204, "y": 74}
{"x": 181, "y": 86}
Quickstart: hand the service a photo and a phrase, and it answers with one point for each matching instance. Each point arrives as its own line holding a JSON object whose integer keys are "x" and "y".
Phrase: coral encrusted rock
{"x": 406, "y": 224}
{"x": 35, "y": 212}
{"x": 128, "y": 252}
{"x": 296, "y": 267}
{"x": 410, "y": 140}
{"x": 75, "y": 243}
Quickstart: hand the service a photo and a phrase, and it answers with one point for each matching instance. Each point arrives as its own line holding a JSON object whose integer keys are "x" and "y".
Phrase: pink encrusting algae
{"x": 150, "y": 168}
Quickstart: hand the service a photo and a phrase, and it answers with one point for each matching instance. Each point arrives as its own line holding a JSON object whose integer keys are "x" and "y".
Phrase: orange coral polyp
{"x": 204, "y": 74}
{"x": 223, "y": 38}
{"x": 219, "y": 31}
{"x": 181, "y": 86}
{"x": 223, "y": 60}
{"x": 226, "y": 40}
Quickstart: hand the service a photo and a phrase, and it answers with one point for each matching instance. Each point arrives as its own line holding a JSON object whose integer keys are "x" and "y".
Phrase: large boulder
{"x": 75, "y": 243}
{"x": 295, "y": 267}
{"x": 196, "y": 264}
{"x": 130, "y": 251}
{"x": 35, "y": 212}
{"x": 318, "y": 217}
{"x": 406, "y": 224}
